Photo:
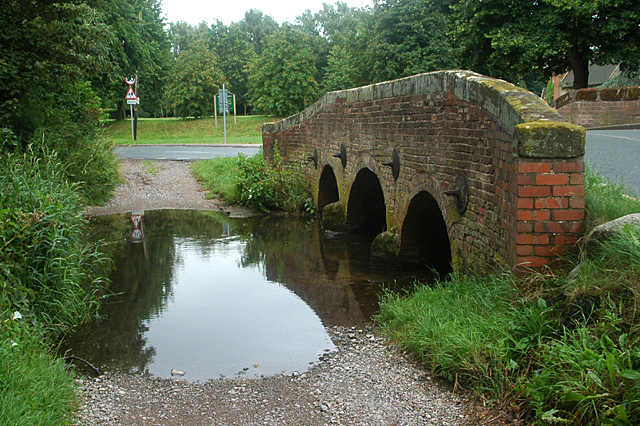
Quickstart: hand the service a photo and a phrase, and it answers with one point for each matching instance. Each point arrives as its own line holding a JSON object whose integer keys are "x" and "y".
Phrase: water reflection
{"x": 212, "y": 295}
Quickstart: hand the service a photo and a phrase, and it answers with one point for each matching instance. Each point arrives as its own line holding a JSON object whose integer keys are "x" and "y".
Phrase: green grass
{"x": 35, "y": 387}
{"x": 248, "y": 130}
{"x": 218, "y": 176}
{"x": 606, "y": 200}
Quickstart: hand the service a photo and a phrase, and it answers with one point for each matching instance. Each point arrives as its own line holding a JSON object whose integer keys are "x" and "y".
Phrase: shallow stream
{"x": 214, "y": 296}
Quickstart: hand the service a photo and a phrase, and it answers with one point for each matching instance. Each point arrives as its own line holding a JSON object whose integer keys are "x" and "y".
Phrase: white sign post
{"x": 132, "y": 100}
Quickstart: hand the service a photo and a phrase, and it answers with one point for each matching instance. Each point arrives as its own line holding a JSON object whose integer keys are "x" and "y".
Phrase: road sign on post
{"x": 132, "y": 100}
{"x": 223, "y": 105}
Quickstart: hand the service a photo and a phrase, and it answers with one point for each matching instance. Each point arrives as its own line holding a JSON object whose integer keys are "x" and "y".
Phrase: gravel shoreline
{"x": 368, "y": 381}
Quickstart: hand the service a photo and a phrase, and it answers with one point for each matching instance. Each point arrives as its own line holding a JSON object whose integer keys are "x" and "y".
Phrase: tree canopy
{"x": 510, "y": 38}
{"x": 281, "y": 80}
{"x": 194, "y": 81}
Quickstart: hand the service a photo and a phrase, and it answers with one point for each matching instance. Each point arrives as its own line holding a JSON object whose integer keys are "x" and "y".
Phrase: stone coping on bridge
{"x": 524, "y": 161}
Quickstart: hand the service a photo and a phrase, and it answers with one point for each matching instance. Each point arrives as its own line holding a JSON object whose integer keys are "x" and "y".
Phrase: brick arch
{"x": 523, "y": 161}
{"x": 366, "y": 210}
{"x": 328, "y": 191}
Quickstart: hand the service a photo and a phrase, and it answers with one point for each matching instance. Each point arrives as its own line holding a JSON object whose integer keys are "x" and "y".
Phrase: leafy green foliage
{"x": 342, "y": 70}
{"x": 138, "y": 45}
{"x": 234, "y": 46}
{"x": 47, "y": 47}
{"x": 250, "y": 181}
{"x": 502, "y": 38}
{"x": 258, "y": 27}
{"x": 282, "y": 79}
{"x": 408, "y": 37}
{"x": 270, "y": 186}
{"x": 195, "y": 81}
{"x": 45, "y": 269}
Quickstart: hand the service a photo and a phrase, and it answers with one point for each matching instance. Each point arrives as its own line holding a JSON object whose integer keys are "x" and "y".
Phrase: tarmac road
{"x": 184, "y": 152}
{"x": 616, "y": 155}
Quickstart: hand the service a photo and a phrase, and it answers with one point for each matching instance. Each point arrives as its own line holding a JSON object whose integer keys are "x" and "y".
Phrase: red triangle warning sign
{"x": 131, "y": 95}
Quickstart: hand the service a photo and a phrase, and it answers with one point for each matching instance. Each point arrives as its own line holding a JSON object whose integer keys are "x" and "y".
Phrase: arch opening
{"x": 327, "y": 188}
{"x": 425, "y": 241}
{"x": 366, "y": 211}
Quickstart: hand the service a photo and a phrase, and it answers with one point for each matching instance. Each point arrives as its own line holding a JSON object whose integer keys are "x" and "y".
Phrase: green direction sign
{"x": 224, "y": 107}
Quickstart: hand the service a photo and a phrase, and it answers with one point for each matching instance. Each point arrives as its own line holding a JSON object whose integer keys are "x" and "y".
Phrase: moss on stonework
{"x": 544, "y": 139}
{"x": 334, "y": 216}
{"x": 385, "y": 249}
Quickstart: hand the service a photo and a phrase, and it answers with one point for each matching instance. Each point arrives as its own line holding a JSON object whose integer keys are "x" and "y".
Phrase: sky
{"x": 227, "y": 11}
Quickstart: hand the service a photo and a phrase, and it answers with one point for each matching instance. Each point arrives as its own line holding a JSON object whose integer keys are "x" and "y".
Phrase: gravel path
{"x": 366, "y": 382}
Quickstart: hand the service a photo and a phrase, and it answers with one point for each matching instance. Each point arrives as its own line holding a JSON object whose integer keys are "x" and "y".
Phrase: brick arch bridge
{"x": 382, "y": 158}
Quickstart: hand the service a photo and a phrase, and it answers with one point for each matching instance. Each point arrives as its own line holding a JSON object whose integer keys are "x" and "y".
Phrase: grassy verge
{"x": 35, "y": 387}
{"x": 248, "y": 130}
{"x": 251, "y": 182}
{"x": 566, "y": 350}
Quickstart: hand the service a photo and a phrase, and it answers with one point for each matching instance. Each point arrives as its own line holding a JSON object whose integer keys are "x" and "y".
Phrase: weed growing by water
{"x": 252, "y": 182}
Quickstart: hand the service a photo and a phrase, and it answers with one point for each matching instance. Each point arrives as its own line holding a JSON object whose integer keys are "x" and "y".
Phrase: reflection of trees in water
{"x": 142, "y": 280}
{"x": 331, "y": 276}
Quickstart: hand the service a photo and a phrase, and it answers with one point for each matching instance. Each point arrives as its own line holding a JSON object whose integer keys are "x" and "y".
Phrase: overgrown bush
{"x": 47, "y": 273}
{"x": 270, "y": 186}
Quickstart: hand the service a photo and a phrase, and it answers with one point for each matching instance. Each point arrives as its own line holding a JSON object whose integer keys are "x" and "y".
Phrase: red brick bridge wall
{"x": 601, "y": 107}
{"x": 523, "y": 161}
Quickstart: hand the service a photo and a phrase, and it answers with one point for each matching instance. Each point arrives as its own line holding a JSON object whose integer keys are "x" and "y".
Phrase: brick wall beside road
{"x": 601, "y": 107}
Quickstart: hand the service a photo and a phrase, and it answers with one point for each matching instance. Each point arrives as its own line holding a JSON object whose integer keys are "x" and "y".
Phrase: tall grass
{"x": 35, "y": 387}
{"x": 606, "y": 200}
{"x": 46, "y": 270}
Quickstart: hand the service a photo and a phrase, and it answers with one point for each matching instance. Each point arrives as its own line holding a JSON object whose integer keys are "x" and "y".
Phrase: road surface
{"x": 183, "y": 152}
{"x": 616, "y": 155}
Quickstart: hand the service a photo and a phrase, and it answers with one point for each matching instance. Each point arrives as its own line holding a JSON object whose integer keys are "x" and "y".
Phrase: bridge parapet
{"x": 524, "y": 165}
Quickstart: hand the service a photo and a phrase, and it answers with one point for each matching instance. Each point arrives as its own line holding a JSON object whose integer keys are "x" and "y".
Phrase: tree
{"x": 407, "y": 37}
{"x": 46, "y": 48}
{"x": 282, "y": 79}
{"x": 341, "y": 72}
{"x": 235, "y": 52}
{"x": 258, "y": 27}
{"x": 510, "y": 38}
{"x": 195, "y": 80}
{"x": 139, "y": 45}
{"x": 332, "y": 33}
{"x": 49, "y": 52}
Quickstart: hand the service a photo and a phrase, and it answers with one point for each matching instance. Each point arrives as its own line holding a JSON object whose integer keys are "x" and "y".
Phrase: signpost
{"x": 230, "y": 104}
{"x": 132, "y": 100}
{"x": 223, "y": 105}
